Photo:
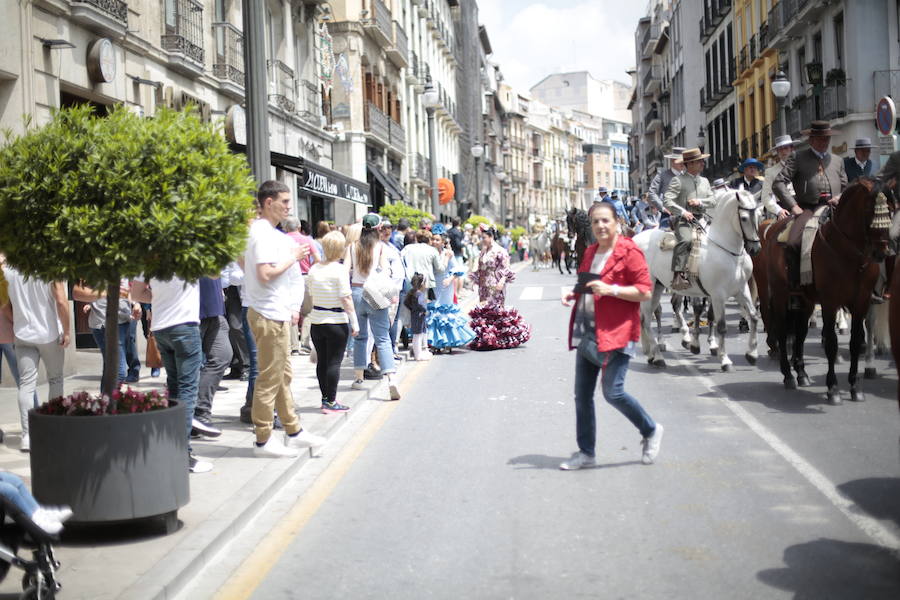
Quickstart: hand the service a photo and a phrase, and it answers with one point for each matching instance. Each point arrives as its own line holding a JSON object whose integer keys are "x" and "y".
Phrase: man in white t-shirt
{"x": 273, "y": 285}
{"x": 176, "y": 327}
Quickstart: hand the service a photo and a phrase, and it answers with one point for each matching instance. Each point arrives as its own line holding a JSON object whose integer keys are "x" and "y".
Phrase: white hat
{"x": 783, "y": 140}
{"x": 863, "y": 142}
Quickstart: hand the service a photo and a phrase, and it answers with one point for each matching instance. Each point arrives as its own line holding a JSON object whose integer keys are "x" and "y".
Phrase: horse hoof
{"x": 658, "y": 363}
{"x": 695, "y": 349}
{"x": 857, "y": 396}
{"x": 803, "y": 381}
{"x": 790, "y": 383}
{"x": 685, "y": 345}
{"x": 834, "y": 398}
{"x": 714, "y": 351}
{"x": 751, "y": 358}
{"x": 727, "y": 368}
{"x": 870, "y": 373}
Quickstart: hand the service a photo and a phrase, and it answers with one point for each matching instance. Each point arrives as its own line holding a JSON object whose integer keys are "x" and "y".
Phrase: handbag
{"x": 378, "y": 289}
{"x": 154, "y": 359}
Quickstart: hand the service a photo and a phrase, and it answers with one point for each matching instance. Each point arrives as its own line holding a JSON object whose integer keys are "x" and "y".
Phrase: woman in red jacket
{"x": 605, "y": 325}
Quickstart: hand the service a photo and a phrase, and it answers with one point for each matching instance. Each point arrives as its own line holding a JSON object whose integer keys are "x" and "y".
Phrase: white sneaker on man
{"x": 579, "y": 460}
{"x": 651, "y": 445}
{"x": 274, "y": 449}
{"x": 304, "y": 439}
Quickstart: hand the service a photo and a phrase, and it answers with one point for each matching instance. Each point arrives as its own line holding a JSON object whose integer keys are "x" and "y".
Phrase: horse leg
{"x": 718, "y": 309}
{"x": 748, "y": 310}
{"x": 710, "y": 330}
{"x": 830, "y": 342}
{"x": 657, "y": 316}
{"x": 857, "y": 335}
{"x": 870, "y": 372}
{"x": 677, "y": 311}
{"x": 649, "y": 343}
{"x": 800, "y": 331}
{"x": 697, "y": 305}
{"x": 780, "y": 320}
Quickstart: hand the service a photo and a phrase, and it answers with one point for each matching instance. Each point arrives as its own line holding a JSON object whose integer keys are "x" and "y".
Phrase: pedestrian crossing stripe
{"x": 532, "y": 293}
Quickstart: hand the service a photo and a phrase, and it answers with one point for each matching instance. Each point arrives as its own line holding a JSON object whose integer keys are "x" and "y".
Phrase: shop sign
{"x": 327, "y": 184}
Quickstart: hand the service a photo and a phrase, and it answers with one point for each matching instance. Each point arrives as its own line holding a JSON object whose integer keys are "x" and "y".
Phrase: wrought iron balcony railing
{"x": 229, "y": 61}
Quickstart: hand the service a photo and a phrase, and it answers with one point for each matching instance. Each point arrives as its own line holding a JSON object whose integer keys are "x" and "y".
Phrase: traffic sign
{"x": 885, "y": 115}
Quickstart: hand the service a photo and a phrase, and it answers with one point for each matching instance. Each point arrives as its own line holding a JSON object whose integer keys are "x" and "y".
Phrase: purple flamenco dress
{"x": 496, "y": 326}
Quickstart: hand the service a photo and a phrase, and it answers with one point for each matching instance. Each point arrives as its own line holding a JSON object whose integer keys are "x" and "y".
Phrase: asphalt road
{"x": 757, "y": 492}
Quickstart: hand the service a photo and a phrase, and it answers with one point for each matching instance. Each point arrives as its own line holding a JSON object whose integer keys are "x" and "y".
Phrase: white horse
{"x": 540, "y": 250}
{"x": 724, "y": 271}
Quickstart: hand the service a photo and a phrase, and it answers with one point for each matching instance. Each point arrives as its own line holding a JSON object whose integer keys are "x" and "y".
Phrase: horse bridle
{"x": 744, "y": 238}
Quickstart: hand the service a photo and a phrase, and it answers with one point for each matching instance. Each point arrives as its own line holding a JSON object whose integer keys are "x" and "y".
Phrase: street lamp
{"x": 477, "y": 152}
{"x": 431, "y": 99}
{"x": 781, "y": 87}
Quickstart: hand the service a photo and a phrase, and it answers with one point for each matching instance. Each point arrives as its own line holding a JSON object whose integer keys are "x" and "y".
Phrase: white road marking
{"x": 532, "y": 292}
{"x": 870, "y": 526}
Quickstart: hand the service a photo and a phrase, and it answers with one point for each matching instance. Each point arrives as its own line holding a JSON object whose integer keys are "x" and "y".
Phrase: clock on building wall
{"x": 101, "y": 61}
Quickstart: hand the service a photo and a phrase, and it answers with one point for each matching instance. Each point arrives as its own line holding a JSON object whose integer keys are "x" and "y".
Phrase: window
{"x": 184, "y": 28}
{"x": 839, "y": 41}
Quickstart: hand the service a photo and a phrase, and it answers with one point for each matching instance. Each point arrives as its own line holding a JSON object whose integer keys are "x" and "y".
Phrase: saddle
{"x": 667, "y": 243}
{"x": 820, "y": 216}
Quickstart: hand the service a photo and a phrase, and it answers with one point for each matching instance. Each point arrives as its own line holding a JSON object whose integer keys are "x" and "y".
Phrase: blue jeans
{"x": 132, "y": 359}
{"x": 588, "y": 365}
{"x": 379, "y": 321}
{"x": 100, "y": 338}
{"x": 182, "y": 354}
{"x": 9, "y": 351}
{"x": 251, "y": 349}
{"x": 13, "y": 489}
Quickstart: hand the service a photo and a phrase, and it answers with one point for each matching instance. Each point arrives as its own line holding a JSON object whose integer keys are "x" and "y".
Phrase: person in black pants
{"x": 332, "y": 318}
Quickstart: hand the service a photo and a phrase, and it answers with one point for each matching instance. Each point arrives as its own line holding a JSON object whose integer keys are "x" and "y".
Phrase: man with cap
{"x": 688, "y": 196}
{"x": 859, "y": 165}
{"x": 660, "y": 182}
{"x": 818, "y": 177}
{"x": 783, "y": 148}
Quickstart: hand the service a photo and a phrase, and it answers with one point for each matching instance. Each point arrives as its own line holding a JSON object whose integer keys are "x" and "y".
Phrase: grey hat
{"x": 783, "y": 140}
{"x": 718, "y": 183}
{"x": 862, "y": 143}
{"x": 675, "y": 154}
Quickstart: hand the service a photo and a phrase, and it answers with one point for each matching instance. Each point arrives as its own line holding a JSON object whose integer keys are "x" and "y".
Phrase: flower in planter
{"x": 122, "y": 402}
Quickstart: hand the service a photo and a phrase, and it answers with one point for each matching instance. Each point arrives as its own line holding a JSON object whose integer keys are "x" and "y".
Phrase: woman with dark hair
{"x": 605, "y": 324}
{"x": 365, "y": 257}
{"x": 495, "y": 325}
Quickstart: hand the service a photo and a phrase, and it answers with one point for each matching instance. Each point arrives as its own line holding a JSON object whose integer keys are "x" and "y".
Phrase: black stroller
{"x": 18, "y": 531}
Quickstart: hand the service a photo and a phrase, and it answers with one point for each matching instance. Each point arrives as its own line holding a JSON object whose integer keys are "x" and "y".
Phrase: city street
{"x": 455, "y": 491}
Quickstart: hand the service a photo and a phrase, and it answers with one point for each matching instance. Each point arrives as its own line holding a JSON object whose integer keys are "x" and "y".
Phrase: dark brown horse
{"x": 761, "y": 279}
{"x": 580, "y": 227}
{"x": 559, "y": 253}
{"x": 845, "y": 256}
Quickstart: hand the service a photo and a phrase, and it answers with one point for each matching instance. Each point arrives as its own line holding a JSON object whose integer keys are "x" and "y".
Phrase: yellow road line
{"x": 251, "y": 573}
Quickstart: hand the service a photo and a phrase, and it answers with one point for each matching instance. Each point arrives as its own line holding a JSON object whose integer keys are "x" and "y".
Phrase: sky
{"x": 534, "y": 38}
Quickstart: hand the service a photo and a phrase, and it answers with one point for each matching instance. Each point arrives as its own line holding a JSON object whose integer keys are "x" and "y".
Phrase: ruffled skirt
{"x": 447, "y": 327}
{"x": 497, "y": 327}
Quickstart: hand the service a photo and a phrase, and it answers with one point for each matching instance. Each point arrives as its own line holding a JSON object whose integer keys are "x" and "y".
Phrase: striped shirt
{"x": 328, "y": 283}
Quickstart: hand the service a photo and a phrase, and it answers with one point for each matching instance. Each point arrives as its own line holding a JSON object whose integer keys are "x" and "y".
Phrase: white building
{"x": 580, "y": 91}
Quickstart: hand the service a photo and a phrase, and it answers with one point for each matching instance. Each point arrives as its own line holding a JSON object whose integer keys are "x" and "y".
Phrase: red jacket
{"x": 617, "y": 321}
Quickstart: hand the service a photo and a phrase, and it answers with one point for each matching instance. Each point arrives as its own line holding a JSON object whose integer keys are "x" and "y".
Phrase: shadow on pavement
{"x": 113, "y": 534}
{"x": 773, "y": 396}
{"x": 829, "y": 568}
{"x": 541, "y": 461}
{"x": 876, "y": 496}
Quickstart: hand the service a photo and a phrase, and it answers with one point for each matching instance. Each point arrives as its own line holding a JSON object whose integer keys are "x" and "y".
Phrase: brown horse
{"x": 559, "y": 253}
{"x": 761, "y": 281}
{"x": 845, "y": 256}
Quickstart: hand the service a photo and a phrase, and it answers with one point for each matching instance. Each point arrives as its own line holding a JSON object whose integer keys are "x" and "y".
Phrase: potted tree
{"x": 97, "y": 200}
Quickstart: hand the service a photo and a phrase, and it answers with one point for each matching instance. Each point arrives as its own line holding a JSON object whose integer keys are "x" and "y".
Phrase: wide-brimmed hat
{"x": 602, "y": 190}
{"x": 818, "y": 128}
{"x": 371, "y": 220}
{"x": 675, "y": 154}
{"x": 718, "y": 183}
{"x": 751, "y": 162}
{"x": 692, "y": 154}
{"x": 862, "y": 143}
{"x": 782, "y": 141}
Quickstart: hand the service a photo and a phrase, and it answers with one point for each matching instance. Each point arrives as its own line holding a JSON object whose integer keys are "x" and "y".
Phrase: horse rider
{"x": 818, "y": 177}
{"x": 749, "y": 179}
{"x": 859, "y": 165}
{"x": 661, "y": 180}
{"x": 688, "y": 196}
{"x": 784, "y": 147}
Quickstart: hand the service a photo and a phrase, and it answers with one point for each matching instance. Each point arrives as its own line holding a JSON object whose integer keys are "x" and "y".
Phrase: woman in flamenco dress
{"x": 496, "y": 327}
{"x": 447, "y": 327}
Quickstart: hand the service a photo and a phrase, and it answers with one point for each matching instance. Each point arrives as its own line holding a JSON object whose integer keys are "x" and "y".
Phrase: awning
{"x": 319, "y": 180}
{"x": 387, "y": 181}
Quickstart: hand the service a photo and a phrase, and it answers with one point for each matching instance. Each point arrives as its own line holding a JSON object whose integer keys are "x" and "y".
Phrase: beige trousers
{"x": 272, "y": 390}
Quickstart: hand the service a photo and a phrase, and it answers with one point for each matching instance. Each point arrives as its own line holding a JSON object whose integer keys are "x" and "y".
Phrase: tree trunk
{"x": 110, "y": 381}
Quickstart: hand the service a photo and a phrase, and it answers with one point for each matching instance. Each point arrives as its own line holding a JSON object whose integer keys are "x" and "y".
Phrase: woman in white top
{"x": 41, "y": 326}
{"x": 333, "y": 317}
{"x": 364, "y": 257}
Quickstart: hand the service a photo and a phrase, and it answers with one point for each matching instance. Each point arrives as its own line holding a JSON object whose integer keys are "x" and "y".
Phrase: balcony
{"x": 799, "y": 115}
{"x": 518, "y": 175}
{"x": 763, "y": 42}
{"x": 378, "y": 124}
{"x": 419, "y": 169}
{"x": 397, "y": 137}
{"x": 652, "y": 121}
{"x": 399, "y": 52}
{"x": 537, "y": 155}
{"x": 285, "y": 96}
{"x": 834, "y": 102}
{"x": 378, "y": 23}
{"x": 537, "y": 184}
{"x": 228, "y": 65}
{"x": 743, "y": 63}
{"x": 752, "y": 52}
{"x": 791, "y": 18}
{"x": 651, "y": 81}
{"x": 648, "y": 42}
{"x": 653, "y": 157}
{"x": 183, "y": 37}
{"x": 310, "y": 108}
{"x": 106, "y": 17}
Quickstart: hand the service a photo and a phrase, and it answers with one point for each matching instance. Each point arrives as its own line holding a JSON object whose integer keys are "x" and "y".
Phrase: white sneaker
{"x": 304, "y": 439}
{"x": 651, "y": 445}
{"x": 579, "y": 460}
{"x": 274, "y": 449}
{"x": 195, "y": 465}
{"x": 359, "y": 384}
{"x": 46, "y": 521}
{"x": 25, "y": 445}
{"x": 59, "y": 513}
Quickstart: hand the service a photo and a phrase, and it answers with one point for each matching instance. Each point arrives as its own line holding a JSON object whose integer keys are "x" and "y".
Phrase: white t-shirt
{"x": 328, "y": 283}
{"x": 277, "y": 298}
{"x": 175, "y": 302}
{"x": 35, "y": 319}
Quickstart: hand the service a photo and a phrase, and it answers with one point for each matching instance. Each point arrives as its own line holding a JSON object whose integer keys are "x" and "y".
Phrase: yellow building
{"x": 756, "y": 66}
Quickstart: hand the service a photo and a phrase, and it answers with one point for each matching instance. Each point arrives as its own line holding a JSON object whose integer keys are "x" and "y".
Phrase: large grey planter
{"x": 113, "y": 467}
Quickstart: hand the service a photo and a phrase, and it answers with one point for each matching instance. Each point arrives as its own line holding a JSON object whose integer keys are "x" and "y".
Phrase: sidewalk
{"x": 138, "y": 561}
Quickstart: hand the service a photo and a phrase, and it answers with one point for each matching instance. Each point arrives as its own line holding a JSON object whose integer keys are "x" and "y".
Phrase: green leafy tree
{"x": 515, "y": 233}
{"x": 98, "y": 199}
{"x": 399, "y": 210}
